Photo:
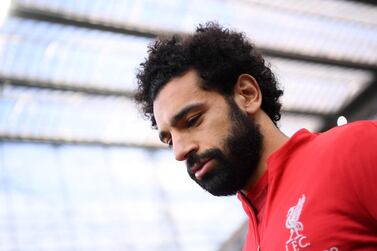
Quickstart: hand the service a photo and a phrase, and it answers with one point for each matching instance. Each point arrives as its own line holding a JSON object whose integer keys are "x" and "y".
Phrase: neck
{"x": 273, "y": 139}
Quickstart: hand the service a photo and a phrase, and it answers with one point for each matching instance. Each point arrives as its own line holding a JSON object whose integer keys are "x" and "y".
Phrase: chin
{"x": 220, "y": 185}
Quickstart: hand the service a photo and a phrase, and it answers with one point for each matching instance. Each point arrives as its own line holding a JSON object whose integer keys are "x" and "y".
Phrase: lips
{"x": 201, "y": 168}
{"x": 197, "y": 166}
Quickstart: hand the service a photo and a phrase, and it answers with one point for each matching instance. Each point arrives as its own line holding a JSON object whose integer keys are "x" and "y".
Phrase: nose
{"x": 183, "y": 146}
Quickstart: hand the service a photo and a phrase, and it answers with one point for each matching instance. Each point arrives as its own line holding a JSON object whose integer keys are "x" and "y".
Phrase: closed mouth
{"x": 201, "y": 169}
{"x": 197, "y": 166}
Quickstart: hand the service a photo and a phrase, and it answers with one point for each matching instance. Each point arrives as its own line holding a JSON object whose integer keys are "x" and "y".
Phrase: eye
{"x": 193, "y": 120}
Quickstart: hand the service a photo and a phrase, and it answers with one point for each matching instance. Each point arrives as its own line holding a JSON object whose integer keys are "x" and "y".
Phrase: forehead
{"x": 178, "y": 93}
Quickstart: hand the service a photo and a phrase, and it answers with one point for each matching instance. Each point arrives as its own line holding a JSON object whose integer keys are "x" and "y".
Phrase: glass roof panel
{"x": 350, "y": 11}
{"x": 291, "y": 123}
{"x": 49, "y": 113}
{"x": 301, "y": 31}
{"x": 318, "y": 88}
{"x": 65, "y": 55}
{"x": 100, "y": 198}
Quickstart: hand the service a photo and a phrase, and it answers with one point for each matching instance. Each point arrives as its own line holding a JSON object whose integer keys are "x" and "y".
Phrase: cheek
{"x": 216, "y": 132}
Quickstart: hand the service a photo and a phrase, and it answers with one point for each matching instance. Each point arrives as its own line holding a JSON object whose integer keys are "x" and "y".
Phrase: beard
{"x": 237, "y": 162}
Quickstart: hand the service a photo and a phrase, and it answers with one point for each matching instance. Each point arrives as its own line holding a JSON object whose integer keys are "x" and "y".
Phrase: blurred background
{"x": 79, "y": 167}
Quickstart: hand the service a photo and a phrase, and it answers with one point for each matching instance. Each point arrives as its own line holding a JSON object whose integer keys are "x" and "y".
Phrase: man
{"x": 216, "y": 104}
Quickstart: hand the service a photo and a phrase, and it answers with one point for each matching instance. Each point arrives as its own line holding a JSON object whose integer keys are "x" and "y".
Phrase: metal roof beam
{"x": 317, "y": 59}
{"x": 64, "y": 87}
{"x": 72, "y": 141}
{"x": 371, "y": 2}
{"x": 47, "y": 16}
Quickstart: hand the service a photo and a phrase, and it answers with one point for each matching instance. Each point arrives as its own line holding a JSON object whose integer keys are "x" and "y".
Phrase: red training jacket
{"x": 319, "y": 192}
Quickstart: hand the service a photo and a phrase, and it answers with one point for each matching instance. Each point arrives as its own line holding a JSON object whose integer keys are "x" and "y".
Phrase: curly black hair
{"x": 219, "y": 55}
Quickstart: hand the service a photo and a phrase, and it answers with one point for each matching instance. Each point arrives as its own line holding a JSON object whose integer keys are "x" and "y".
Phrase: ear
{"x": 247, "y": 94}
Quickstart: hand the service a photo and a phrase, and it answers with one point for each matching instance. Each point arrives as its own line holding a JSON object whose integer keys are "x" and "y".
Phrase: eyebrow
{"x": 179, "y": 115}
{"x": 184, "y": 111}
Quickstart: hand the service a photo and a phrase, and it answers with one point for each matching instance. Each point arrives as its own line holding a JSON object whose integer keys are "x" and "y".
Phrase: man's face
{"x": 220, "y": 143}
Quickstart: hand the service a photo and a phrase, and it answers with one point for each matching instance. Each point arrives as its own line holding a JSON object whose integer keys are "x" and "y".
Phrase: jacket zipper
{"x": 252, "y": 210}
{"x": 255, "y": 227}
